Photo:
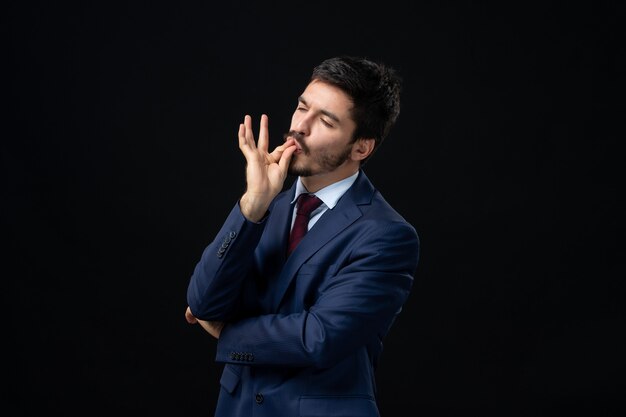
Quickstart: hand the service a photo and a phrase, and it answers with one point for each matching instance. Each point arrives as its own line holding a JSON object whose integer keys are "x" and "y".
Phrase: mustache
{"x": 293, "y": 134}
{"x": 299, "y": 137}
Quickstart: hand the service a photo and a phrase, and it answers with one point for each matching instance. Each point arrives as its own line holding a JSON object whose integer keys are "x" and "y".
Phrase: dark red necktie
{"x": 306, "y": 204}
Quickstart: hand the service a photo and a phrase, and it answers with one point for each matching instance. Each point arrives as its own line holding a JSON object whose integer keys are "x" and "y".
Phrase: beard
{"x": 319, "y": 163}
{"x": 322, "y": 162}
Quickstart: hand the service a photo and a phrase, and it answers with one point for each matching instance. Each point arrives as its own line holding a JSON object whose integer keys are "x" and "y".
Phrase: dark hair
{"x": 374, "y": 89}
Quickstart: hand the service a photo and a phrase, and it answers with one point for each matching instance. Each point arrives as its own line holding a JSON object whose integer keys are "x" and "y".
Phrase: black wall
{"x": 120, "y": 160}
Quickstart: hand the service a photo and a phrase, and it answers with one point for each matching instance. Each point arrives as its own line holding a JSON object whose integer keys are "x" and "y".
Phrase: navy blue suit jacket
{"x": 305, "y": 332}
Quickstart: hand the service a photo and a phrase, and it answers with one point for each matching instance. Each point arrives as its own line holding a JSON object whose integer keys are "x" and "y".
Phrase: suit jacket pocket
{"x": 230, "y": 378}
{"x": 344, "y": 406}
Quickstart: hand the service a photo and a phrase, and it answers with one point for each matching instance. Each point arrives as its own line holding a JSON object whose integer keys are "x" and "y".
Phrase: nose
{"x": 301, "y": 123}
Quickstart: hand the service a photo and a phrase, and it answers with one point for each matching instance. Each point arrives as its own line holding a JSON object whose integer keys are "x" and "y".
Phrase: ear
{"x": 362, "y": 148}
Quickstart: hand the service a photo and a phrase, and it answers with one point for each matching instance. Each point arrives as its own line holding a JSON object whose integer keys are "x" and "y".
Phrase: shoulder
{"x": 375, "y": 208}
{"x": 383, "y": 216}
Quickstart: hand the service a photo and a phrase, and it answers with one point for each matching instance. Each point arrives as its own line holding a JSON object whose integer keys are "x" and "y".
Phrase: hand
{"x": 214, "y": 328}
{"x": 265, "y": 172}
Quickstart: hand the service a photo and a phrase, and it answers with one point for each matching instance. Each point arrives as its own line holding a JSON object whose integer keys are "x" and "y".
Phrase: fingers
{"x": 190, "y": 317}
{"x": 278, "y": 151}
{"x": 241, "y": 134}
{"x": 263, "y": 143}
{"x": 285, "y": 158}
{"x": 245, "y": 134}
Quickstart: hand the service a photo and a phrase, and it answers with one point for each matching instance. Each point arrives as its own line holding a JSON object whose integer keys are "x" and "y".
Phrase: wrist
{"x": 253, "y": 206}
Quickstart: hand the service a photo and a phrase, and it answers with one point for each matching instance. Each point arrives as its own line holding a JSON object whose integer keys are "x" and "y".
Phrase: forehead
{"x": 327, "y": 97}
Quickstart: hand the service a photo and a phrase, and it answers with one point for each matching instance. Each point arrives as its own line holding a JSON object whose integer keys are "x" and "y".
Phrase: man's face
{"x": 322, "y": 128}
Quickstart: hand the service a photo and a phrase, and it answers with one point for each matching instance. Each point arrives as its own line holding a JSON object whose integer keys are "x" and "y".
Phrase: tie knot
{"x": 307, "y": 203}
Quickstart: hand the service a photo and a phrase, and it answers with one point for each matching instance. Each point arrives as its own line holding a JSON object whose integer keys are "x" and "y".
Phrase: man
{"x": 300, "y": 330}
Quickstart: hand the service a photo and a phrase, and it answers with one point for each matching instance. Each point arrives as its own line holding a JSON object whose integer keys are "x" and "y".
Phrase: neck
{"x": 314, "y": 183}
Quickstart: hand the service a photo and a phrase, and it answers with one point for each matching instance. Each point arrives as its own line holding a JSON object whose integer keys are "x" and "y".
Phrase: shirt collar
{"x": 329, "y": 194}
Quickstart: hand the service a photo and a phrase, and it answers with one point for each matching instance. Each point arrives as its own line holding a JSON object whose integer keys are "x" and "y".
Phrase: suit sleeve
{"x": 354, "y": 307}
{"x": 214, "y": 289}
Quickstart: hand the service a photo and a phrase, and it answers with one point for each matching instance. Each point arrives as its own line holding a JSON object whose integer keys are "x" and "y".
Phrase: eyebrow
{"x": 324, "y": 112}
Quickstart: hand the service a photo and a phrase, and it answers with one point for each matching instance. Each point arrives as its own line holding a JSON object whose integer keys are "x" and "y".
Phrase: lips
{"x": 296, "y": 137}
{"x": 298, "y": 146}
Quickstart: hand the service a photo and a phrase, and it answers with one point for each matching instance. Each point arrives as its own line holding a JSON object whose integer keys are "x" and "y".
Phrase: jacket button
{"x": 258, "y": 398}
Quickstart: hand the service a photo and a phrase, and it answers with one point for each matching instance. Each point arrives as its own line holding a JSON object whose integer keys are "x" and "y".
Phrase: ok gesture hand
{"x": 265, "y": 172}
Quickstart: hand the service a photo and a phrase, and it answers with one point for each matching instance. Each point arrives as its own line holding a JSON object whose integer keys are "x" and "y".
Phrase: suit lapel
{"x": 278, "y": 226}
{"x": 272, "y": 251}
{"x": 326, "y": 228}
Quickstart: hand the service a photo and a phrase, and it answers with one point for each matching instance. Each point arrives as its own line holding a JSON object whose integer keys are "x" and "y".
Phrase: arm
{"x": 213, "y": 328}
{"x": 355, "y": 306}
{"x": 214, "y": 288}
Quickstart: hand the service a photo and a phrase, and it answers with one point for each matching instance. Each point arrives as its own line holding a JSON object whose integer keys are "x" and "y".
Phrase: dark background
{"x": 120, "y": 160}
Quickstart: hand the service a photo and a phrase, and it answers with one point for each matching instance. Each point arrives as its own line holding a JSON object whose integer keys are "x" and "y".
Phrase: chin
{"x": 299, "y": 170}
